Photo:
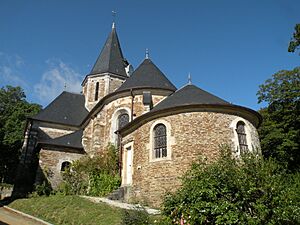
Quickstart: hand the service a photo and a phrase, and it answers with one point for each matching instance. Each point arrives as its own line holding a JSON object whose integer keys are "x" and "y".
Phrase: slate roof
{"x": 68, "y": 108}
{"x": 147, "y": 75}
{"x": 111, "y": 58}
{"x": 72, "y": 140}
{"x": 189, "y": 95}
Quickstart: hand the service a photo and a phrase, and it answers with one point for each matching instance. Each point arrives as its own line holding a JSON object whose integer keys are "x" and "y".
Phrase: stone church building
{"x": 159, "y": 129}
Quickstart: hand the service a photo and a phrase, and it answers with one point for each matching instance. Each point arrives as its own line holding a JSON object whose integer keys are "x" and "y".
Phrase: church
{"x": 159, "y": 129}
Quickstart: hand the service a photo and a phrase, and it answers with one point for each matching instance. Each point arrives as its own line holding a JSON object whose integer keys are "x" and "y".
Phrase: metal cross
{"x": 114, "y": 13}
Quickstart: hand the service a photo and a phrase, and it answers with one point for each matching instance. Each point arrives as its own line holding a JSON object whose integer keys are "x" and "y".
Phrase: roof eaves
{"x": 192, "y": 108}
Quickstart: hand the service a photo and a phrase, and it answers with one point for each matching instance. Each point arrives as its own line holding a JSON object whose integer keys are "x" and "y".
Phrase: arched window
{"x": 240, "y": 129}
{"x": 160, "y": 141}
{"x": 65, "y": 165}
{"x": 97, "y": 91}
{"x": 123, "y": 119}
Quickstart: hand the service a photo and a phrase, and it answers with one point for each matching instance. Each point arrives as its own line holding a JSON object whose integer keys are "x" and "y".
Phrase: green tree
{"x": 280, "y": 130}
{"x": 229, "y": 191}
{"x": 14, "y": 109}
{"x": 295, "y": 42}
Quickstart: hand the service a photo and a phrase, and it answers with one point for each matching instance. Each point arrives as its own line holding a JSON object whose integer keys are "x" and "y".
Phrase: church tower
{"x": 109, "y": 72}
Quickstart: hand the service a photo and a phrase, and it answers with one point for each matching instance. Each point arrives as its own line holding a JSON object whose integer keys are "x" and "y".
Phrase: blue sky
{"x": 230, "y": 47}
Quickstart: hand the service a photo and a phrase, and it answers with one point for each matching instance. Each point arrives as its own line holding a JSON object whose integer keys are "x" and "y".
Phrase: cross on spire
{"x": 114, "y": 13}
{"x": 147, "y": 53}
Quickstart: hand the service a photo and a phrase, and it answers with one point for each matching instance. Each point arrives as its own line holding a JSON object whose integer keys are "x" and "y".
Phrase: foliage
{"x": 43, "y": 189}
{"x": 58, "y": 209}
{"x": 230, "y": 191}
{"x": 95, "y": 176}
{"x": 295, "y": 42}
{"x": 139, "y": 216}
{"x": 14, "y": 109}
{"x": 4, "y": 185}
{"x": 280, "y": 130}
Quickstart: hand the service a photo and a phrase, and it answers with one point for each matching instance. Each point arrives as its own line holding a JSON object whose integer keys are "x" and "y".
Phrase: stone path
{"x": 14, "y": 217}
{"x": 121, "y": 204}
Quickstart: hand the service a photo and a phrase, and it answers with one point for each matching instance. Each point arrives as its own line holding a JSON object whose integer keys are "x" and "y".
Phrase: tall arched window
{"x": 97, "y": 91}
{"x": 123, "y": 119}
{"x": 160, "y": 141}
{"x": 240, "y": 129}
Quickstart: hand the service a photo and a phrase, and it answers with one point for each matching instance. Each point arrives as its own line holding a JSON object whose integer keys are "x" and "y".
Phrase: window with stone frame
{"x": 160, "y": 141}
{"x": 97, "y": 91}
{"x": 64, "y": 166}
{"x": 242, "y": 138}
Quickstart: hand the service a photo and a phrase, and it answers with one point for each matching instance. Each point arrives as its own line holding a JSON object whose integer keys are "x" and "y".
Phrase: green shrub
{"x": 139, "y": 216}
{"x": 43, "y": 189}
{"x": 229, "y": 191}
{"x": 102, "y": 184}
{"x": 96, "y": 176}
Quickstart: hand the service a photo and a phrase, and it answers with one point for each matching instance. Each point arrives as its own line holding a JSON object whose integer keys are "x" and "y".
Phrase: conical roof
{"x": 111, "y": 59}
{"x": 147, "y": 75}
{"x": 189, "y": 95}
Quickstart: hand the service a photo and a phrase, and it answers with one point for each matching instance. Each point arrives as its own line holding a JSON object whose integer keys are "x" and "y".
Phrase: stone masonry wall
{"x": 107, "y": 84}
{"x": 50, "y": 161}
{"x": 189, "y": 136}
{"x": 100, "y": 130}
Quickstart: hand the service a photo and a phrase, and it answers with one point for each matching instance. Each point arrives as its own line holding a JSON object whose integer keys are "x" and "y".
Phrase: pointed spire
{"x": 147, "y": 53}
{"x": 111, "y": 59}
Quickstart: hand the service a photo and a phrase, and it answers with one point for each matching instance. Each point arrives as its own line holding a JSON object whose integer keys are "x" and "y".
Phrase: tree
{"x": 14, "y": 109}
{"x": 230, "y": 191}
{"x": 295, "y": 42}
{"x": 280, "y": 130}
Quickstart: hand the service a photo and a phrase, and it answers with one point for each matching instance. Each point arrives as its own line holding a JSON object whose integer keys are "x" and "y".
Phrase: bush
{"x": 229, "y": 191}
{"x": 139, "y": 216}
{"x": 97, "y": 176}
{"x": 43, "y": 189}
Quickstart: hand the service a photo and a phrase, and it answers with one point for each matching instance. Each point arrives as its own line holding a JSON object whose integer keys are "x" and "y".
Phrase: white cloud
{"x": 10, "y": 69}
{"x": 54, "y": 80}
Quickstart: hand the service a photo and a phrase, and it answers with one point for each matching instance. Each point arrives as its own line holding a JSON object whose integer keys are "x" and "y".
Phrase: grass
{"x": 58, "y": 209}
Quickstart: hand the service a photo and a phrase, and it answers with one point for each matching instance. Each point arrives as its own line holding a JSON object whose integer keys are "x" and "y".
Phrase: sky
{"x": 229, "y": 47}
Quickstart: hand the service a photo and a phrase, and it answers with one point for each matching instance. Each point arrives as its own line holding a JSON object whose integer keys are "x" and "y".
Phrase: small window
{"x": 160, "y": 141}
{"x": 64, "y": 166}
{"x": 97, "y": 91}
{"x": 123, "y": 119}
{"x": 240, "y": 129}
